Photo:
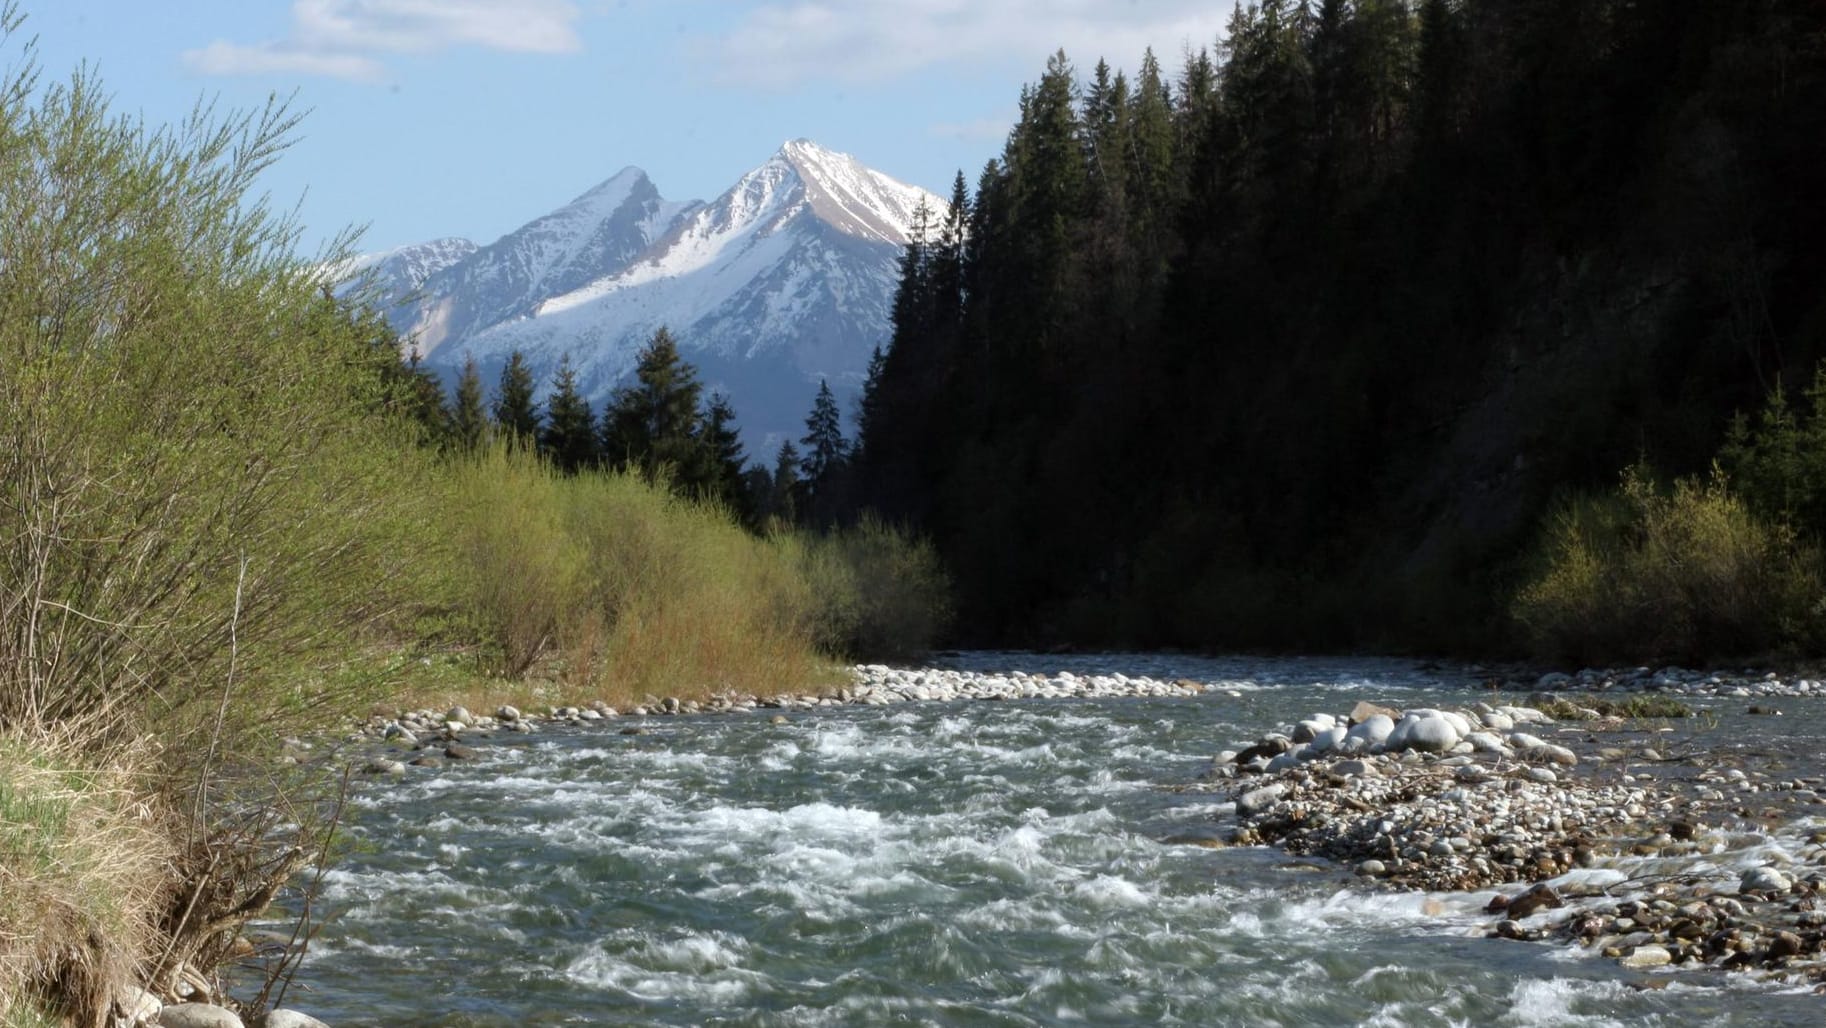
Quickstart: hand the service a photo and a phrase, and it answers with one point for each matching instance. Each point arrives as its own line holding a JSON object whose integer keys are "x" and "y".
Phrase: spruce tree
{"x": 782, "y": 501}
{"x": 825, "y": 449}
{"x": 569, "y": 438}
{"x": 723, "y": 458}
{"x": 869, "y": 404}
{"x": 515, "y": 413}
{"x": 468, "y": 417}
{"x": 655, "y": 421}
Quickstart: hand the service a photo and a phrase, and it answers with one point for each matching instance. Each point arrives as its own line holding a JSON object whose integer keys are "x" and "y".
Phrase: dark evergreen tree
{"x": 723, "y": 458}
{"x": 781, "y": 503}
{"x": 468, "y": 417}
{"x": 825, "y": 450}
{"x": 569, "y": 437}
{"x": 515, "y": 412}
{"x": 655, "y": 422}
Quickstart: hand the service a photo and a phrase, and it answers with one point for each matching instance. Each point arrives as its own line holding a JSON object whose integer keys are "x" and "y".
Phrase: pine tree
{"x": 655, "y": 422}
{"x": 514, "y": 410}
{"x": 782, "y": 506}
{"x": 723, "y": 458}
{"x": 945, "y": 270}
{"x": 825, "y": 449}
{"x": 869, "y": 404}
{"x": 569, "y": 438}
{"x": 468, "y": 418}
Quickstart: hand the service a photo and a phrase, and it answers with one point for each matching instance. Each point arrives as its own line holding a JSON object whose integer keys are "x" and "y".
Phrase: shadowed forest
{"x": 1314, "y": 343}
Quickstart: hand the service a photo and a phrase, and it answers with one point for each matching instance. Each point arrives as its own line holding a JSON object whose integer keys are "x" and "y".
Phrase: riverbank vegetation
{"x": 228, "y": 511}
{"x": 1302, "y": 346}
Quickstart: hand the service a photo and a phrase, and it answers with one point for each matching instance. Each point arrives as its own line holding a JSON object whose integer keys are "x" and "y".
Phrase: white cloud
{"x": 346, "y": 38}
{"x": 980, "y": 130}
{"x": 221, "y": 58}
{"x": 782, "y": 44}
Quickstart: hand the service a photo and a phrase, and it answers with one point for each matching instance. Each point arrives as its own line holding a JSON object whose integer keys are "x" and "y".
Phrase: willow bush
{"x": 618, "y": 587}
{"x": 198, "y": 489}
{"x": 1683, "y": 573}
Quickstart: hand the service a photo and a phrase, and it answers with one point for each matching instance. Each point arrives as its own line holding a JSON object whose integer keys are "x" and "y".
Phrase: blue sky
{"x": 470, "y": 117}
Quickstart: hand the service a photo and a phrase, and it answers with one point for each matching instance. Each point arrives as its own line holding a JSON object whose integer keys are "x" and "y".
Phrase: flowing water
{"x": 926, "y": 864}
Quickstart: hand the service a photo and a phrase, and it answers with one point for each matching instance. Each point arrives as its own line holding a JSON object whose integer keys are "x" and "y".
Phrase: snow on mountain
{"x": 399, "y": 272}
{"x": 786, "y": 278}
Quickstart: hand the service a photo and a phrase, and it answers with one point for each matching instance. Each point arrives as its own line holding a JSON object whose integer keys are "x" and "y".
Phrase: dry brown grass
{"x": 84, "y": 877}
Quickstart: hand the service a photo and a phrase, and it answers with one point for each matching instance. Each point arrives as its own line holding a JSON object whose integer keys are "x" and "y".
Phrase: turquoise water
{"x": 924, "y": 864}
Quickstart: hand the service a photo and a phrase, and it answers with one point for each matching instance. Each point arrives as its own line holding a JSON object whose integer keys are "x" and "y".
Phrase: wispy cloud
{"x": 347, "y": 39}
{"x": 783, "y": 44}
{"x": 980, "y": 130}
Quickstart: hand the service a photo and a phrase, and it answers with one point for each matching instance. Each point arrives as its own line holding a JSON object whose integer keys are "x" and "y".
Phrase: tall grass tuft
{"x": 83, "y": 878}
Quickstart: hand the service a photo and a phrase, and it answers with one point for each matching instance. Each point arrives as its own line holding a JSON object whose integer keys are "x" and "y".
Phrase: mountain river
{"x": 960, "y": 863}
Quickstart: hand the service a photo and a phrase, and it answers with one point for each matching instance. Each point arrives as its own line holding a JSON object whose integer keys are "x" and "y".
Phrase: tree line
{"x": 1297, "y": 347}
{"x": 661, "y": 426}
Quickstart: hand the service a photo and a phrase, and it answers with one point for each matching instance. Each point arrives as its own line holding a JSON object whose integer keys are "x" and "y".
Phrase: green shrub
{"x": 1687, "y": 573}
{"x": 198, "y": 491}
{"x": 625, "y": 588}
{"x": 878, "y": 592}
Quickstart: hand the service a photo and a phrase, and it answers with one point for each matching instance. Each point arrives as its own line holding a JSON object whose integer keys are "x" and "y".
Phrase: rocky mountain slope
{"x": 784, "y": 279}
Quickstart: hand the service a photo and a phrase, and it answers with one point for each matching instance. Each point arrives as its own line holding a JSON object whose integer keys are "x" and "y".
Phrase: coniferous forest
{"x": 1307, "y": 343}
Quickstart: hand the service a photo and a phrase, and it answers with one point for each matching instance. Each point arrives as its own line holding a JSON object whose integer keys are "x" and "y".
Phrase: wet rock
{"x": 1764, "y": 879}
{"x": 1646, "y": 956}
{"x": 383, "y": 766}
{"x": 458, "y": 751}
{"x": 1364, "y": 710}
{"x": 1541, "y": 897}
{"x": 508, "y": 713}
{"x": 1255, "y": 801}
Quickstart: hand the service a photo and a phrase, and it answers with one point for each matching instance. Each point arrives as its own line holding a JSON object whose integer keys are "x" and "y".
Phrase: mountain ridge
{"x": 786, "y": 278}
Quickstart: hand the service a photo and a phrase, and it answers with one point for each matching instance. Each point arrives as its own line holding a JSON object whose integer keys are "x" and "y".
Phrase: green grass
{"x": 1634, "y": 706}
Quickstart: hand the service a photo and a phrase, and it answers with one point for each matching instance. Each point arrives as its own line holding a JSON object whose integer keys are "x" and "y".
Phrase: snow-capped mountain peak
{"x": 857, "y": 199}
{"x": 784, "y": 279}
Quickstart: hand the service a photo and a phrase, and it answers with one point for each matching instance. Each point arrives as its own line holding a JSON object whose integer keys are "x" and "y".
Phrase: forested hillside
{"x": 1296, "y": 346}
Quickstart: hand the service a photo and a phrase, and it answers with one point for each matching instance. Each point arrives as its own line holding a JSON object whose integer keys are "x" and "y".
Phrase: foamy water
{"x": 942, "y": 864}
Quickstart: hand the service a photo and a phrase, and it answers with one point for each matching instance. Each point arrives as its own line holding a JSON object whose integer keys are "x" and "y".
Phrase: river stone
{"x": 458, "y": 751}
{"x": 1372, "y": 867}
{"x": 197, "y": 1015}
{"x": 1428, "y": 733}
{"x": 459, "y": 714}
{"x": 1354, "y": 769}
{"x": 1329, "y": 740}
{"x": 1497, "y": 721}
{"x": 1557, "y": 754}
{"x": 283, "y": 1018}
{"x": 1652, "y": 955}
{"x": 1373, "y": 731}
{"x": 1764, "y": 879}
{"x": 1364, "y": 710}
{"x": 508, "y": 713}
{"x": 1257, "y": 800}
{"x": 1541, "y": 897}
{"x": 1299, "y": 752}
{"x": 383, "y": 766}
{"x": 1785, "y": 944}
{"x": 1484, "y": 742}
